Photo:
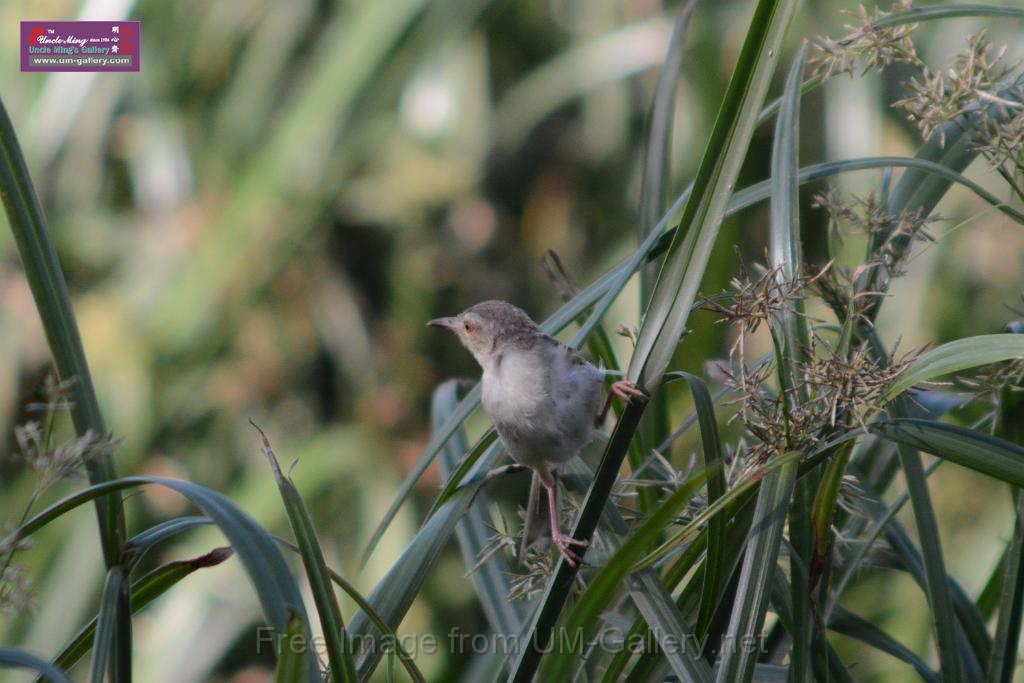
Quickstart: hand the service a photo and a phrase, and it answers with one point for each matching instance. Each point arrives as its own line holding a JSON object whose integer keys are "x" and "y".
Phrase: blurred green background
{"x": 259, "y": 223}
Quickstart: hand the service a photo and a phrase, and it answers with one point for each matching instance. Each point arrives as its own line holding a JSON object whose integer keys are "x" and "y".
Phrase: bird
{"x": 543, "y": 397}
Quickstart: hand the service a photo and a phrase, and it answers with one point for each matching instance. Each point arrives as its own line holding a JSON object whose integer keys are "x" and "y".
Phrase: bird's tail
{"x": 536, "y": 522}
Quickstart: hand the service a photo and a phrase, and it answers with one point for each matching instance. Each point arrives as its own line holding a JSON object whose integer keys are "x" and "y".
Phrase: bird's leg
{"x": 562, "y": 541}
{"x": 625, "y": 390}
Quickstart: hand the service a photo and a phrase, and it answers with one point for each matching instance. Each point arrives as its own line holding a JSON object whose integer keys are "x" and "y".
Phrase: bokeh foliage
{"x": 259, "y": 223}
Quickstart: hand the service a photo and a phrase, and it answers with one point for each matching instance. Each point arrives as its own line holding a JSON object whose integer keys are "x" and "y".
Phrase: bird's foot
{"x": 564, "y": 544}
{"x": 625, "y": 390}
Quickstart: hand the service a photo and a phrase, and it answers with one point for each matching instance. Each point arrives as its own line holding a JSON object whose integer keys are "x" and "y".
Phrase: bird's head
{"x": 491, "y": 326}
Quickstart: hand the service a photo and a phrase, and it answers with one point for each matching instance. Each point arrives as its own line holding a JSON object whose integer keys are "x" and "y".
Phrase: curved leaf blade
{"x": 558, "y": 665}
{"x": 13, "y": 658}
{"x": 274, "y": 585}
{"x": 680, "y": 276}
{"x": 144, "y": 591}
{"x": 954, "y": 356}
{"x": 339, "y": 650}
{"x": 986, "y": 454}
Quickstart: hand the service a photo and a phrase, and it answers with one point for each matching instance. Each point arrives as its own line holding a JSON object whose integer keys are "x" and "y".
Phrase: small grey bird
{"x": 543, "y": 397}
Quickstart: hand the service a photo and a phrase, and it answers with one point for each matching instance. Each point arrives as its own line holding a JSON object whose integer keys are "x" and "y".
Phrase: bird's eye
{"x": 470, "y": 327}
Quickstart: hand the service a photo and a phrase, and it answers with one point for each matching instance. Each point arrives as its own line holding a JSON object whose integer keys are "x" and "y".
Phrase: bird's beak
{"x": 450, "y": 323}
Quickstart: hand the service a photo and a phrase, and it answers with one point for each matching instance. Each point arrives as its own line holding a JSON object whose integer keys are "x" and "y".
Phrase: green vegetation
{"x": 255, "y": 228}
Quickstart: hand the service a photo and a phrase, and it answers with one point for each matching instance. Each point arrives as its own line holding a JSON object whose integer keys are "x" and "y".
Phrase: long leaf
{"x": 404, "y": 657}
{"x": 666, "y": 315}
{"x": 849, "y": 624}
{"x": 789, "y": 334}
{"x": 291, "y": 660}
{"x": 50, "y": 291}
{"x": 605, "y": 584}
{"x": 675, "y": 637}
{"x": 144, "y": 591}
{"x": 939, "y": 598}
{"x": 755, "y": 575}
{"x": 275, "y": 587}
{"x": 955, "y": 356}
{"x": 659, "y": 135}
{"x": 918, "y": 14}
{"x": 12, "y": 658}
{"x": 986, "y": 454}
{"x": 657, "y": 173}
{"x": 714, "y": 461}
{"x": 1003, "y": 661}
{"x": 339, "y": 650}
{"x": 103, "y": 643}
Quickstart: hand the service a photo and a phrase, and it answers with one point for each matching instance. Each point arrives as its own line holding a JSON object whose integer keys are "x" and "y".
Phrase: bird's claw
{"x": 625, "y": 390}
{"x": 564, "y": 544}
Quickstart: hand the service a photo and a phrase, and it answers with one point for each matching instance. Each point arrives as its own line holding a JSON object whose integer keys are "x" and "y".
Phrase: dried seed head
{"x": 867, "y": 46}
{"x": 965, "y": 89}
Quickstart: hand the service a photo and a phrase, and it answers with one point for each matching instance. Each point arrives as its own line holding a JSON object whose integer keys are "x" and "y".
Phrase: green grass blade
{"x": 990, "y": 595}
{"x": 1003, "y": 661}
{"x": 291, "y": 660}
{"x": 785, "y": 249}
{"x": 680, "y": 276}
{"x": 936, "y": 584}
{"x": 144, "y": 591}
{"x": 849, "y": 624}
{"x": 759, "y": 562}
{"x": 655, "y": 179}
{"x": 103, "y": 642}
{"x": 274, "y": 585}
{"x": 918, "y": 14}
{"x": 714, "y": 462}
{"x": 50, "y": 291}
{"x": 12, "y": 658}
{"x": 989, "y": 455}
{"x": 736, "y": 493}
{"x": 676, "y": 638}
{"x": 404, "y": 657}
{"x": 656, "y": 171}
{"x": 137, "y": 546}
{"x": 603, "y": 587}
{"x": 789, "y": 334}
{"x": 823, "y": 505}
{"x": 955, "y": 356}
{"x": 339, "y": 650}
{"x": 760, "y": 191}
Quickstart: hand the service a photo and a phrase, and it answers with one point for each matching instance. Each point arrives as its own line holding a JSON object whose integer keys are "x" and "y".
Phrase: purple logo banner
{"x": 80, "y": 45}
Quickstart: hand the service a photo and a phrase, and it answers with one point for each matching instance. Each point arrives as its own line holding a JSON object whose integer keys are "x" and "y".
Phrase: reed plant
{"x": 734, "y": 566}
